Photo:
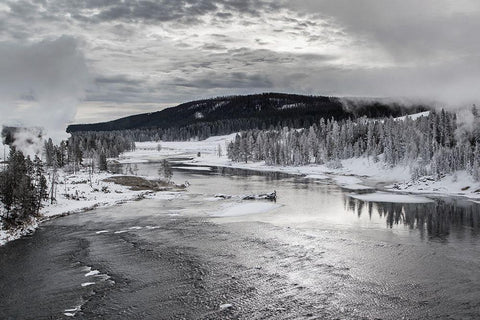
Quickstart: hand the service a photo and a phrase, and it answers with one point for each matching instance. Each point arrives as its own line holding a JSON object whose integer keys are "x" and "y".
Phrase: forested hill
{"x": 235, "y": 113}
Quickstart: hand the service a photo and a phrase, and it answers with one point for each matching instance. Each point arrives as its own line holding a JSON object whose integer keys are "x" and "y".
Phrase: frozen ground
{"x": 75, "y": 194}
{"x": 355, "y": 174}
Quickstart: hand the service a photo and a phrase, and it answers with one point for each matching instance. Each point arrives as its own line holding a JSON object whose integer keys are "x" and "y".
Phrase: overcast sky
{"x": 124, "y": 57}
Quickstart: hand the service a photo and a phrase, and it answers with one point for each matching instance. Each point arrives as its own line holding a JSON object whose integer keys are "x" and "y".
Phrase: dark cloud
{"x": 149, "y": 10}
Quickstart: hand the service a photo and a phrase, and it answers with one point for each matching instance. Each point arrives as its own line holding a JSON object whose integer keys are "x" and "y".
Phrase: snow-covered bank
{"x": 75, "y": 193}
{"x": 355, "y": 174}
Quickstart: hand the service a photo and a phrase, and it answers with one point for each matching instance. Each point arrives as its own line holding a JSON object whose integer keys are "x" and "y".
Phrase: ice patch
{"x": 152, "y": 227}
{"x": 121, "y": 231}
{"x": 92, "y": 273}
{"x": 86, "y": 284}
{"x": 226, "y": 306}
{"x": 72, "y": 312}
{"x": 101, "y": 231}
{"x": 389, "y": 197}
{"x": 241, "y": 209}
{"x": 350, "y": 183}
{"x": 135, "y": 228}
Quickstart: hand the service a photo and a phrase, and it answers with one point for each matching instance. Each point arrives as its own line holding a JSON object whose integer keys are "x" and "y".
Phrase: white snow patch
{"x": 226, "y": 306}
{"x": 173, "y": 214}
{"x": 72, "y": 312}
{"x": 389, "y": 197}
{"x": 460, "y": 183}
{"x": 241, "y": 209}
{"x": 86, "y": 284}
{"x": 92, "y": 273}
{"x": 414, "y": 116}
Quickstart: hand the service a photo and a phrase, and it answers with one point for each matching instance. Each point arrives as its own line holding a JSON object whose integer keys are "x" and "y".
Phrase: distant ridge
{"x": 252, "y": 111}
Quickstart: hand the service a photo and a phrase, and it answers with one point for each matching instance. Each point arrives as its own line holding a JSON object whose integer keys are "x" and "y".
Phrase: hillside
{"x": 234, "y": 113}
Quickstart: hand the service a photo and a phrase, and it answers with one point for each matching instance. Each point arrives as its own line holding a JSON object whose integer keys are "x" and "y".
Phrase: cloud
{"x": 117, "y": 79}
{"x": 51, "y": 74}
{"x": 171, "y": 51}
{"x": 231, "y": 80}
{"x": 407, "y": 29}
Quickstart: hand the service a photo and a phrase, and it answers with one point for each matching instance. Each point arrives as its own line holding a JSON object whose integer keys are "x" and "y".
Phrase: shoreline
{"x": 75, "y": 194}
{"x": 356, "y": 174}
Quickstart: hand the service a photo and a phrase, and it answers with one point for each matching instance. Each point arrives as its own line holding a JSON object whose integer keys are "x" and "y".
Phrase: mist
{"x": 41, "y": 84}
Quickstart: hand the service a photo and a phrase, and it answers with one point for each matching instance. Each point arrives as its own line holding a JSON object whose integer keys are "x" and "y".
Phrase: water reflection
{"x": 321, "y": 202}
{"x": 436, "y": 220}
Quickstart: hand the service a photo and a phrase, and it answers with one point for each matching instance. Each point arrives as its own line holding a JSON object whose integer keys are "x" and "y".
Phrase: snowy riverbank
{"x": 76, "y": 194}
{"x": 355, "y": 174}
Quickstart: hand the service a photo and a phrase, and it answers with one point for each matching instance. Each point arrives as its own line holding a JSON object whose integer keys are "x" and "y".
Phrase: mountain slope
{"x": 259, "y": 110}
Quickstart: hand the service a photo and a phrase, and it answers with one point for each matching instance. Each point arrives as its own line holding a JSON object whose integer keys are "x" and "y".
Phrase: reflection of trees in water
{"x": 438, "y": 219}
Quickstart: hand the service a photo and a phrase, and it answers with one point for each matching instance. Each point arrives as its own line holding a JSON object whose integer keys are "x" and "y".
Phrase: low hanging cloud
{"x": 41, "y": 83}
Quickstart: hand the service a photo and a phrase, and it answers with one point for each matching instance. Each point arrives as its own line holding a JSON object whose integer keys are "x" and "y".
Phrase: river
{"x": 317, "y": 254}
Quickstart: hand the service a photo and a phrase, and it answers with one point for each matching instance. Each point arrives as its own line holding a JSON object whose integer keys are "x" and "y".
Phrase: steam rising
{"x": 41, "y": 84}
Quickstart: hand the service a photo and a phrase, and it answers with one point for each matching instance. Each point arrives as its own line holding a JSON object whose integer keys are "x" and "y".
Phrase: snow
{"x": 147, "y": 151}
{"x": 460, "y": 183}
{"x": 72, "y": 312}
{"x": 292, "y": 105}
{"x": 92, "y": 273}
{"x": 366, "y": 171}
{"x": 87, "y": 284}
{"x": 389, "y": 197}
{"x": 226, "y": 306}
{"x": 354, "y": 174}
{"x": 90, "y": 195}
{"x": 241, "y": 209}
{"x": 75, "y": 194}
{"x": 414, "y": 116}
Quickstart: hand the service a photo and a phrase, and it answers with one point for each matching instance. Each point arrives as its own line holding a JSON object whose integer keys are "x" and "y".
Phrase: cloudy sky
{"x": 121, "y": 57}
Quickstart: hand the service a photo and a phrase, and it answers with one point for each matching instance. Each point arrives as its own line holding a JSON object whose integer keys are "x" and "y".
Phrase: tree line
{"x": 436, "y": 144}
{"x": 23, "y": 184}
{"x": 95, "y": 146}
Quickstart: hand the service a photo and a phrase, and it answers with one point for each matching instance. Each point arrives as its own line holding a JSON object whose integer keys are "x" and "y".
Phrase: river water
{"x": 317, "y": 254}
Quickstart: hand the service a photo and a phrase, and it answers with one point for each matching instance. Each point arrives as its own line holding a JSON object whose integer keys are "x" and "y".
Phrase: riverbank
{"x": 81, "y": 192}
{"x": 354, "y": 174}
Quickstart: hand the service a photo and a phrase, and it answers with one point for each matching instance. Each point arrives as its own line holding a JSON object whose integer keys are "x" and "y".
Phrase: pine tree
{"x": 165, "y": 170}
{"x": 102, "y": 162}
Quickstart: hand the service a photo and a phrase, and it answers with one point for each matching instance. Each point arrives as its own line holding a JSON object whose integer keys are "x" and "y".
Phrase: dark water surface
{"x": 319, "y": 255}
